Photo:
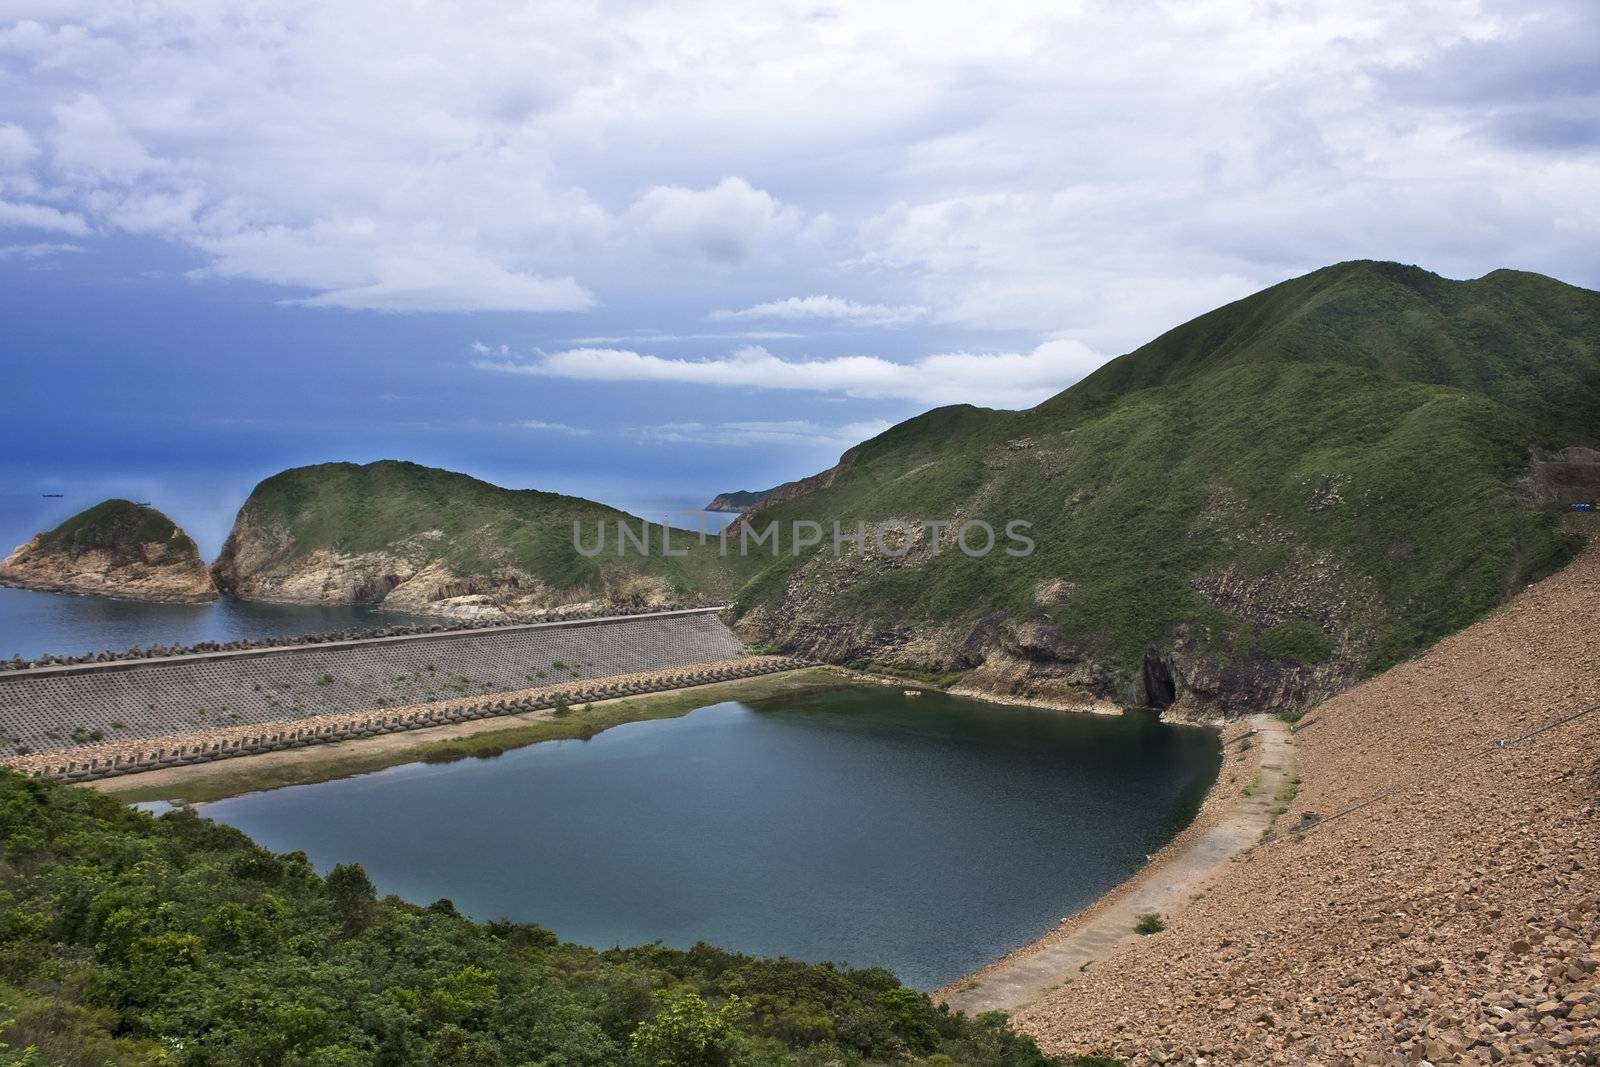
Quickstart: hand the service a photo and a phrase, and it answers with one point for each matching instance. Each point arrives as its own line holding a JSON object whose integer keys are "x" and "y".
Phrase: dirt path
{"x": 1165, "y": 887}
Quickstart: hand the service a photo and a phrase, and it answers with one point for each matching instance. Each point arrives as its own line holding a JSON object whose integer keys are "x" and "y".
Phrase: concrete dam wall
{"x": 56, "y": 708}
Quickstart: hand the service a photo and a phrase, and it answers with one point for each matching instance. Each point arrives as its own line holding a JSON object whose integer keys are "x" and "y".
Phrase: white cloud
{"x": 89, "y": 143}
{"x": 1012, "y": 168}
{"x": 41, "y": 250}
{"x": 995, "y": 379}
{"x": 657, "y": 337}
{"x": 795, "y": 433}
{"x": 420, "y": 286}
{"x": 17, "y": 149}
{"x": 728, "y": 222}
{"x": 827, "y": 307}
{"x": 41, "y": 217}
{"x": 554, "y": 427}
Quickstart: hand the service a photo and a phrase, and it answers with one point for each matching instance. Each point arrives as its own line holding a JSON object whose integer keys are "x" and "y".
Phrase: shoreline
{"x": 1175, "y": 878}
{"x": 30, "y": 586}
{"x": 201, "y": 783}
{"x": 988, "y": 696}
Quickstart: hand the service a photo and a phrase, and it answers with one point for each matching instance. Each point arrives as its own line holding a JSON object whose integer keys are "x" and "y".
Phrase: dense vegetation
{"x": 470, "y": 526}
{"x": 126, "y": 939}
{"x": 1318, "y": 478}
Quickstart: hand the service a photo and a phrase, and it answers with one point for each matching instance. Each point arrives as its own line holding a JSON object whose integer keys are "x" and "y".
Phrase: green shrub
{"x": 1148, "y": 923}
{"x": 685, "y": 1032}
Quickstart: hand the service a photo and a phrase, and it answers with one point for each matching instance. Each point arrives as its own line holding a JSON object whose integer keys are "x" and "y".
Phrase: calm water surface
{"x": 856, "y": 825}
{"x": 33, "y": 623}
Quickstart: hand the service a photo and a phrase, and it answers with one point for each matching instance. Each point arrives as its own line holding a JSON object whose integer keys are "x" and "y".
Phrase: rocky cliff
{"x": 419, "y": 539}
{"x": 116, "y": 548}
{"x": 1256, "y": 509}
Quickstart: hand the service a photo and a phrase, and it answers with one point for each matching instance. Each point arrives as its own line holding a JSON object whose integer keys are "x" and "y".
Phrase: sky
{"x": 648, "y": 252}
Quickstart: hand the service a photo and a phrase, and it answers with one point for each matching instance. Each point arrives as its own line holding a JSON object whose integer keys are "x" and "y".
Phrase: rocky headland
{"x": 429, "y": 541}
{"x": 738, "y": 500}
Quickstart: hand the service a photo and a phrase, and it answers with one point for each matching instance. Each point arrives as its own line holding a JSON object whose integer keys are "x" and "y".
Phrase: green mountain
{"x": 1258, "y": 507}
{"x": 422, "y": 539}
{"x": 116, "y": 548}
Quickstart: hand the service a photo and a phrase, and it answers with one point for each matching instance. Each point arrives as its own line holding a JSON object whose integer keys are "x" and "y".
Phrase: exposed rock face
{"x": 1026, "y": 654}
{"x": 1002, "y": 655}
{"x": 1565, "y": 476}
{"x": 117, "y": 548}
{"x": 257, "y": 563}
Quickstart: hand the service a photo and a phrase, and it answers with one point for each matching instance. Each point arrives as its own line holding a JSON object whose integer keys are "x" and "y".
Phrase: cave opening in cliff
{"x": 1160, "y": 690}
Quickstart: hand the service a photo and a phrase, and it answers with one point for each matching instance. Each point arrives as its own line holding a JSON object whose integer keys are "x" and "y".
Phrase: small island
{"x": 116, "y": 548}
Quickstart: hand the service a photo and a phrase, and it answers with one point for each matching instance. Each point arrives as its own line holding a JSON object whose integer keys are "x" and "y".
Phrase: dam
{"x": 49, "y": 715}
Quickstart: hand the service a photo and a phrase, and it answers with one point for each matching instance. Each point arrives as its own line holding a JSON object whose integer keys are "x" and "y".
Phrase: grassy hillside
{"x": 127, "y": 940}
{"x": 1267, "y": 502}
{"x": 482, "y": 535}
{"x": 119, "y": 527}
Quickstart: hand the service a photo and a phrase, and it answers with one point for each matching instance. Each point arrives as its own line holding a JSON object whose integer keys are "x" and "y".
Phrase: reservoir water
{"x": 851, "y": 824}
{"x": 34, "y": 623}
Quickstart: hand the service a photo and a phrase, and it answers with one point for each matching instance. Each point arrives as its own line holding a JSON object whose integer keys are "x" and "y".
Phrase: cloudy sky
{"x": 649, "y": 251}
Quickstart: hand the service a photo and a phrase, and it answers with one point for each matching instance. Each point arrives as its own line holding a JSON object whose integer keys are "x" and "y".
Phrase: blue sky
{"x": 645, "y": 252}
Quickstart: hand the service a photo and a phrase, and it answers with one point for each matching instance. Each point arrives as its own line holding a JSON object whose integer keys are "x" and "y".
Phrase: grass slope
{"x": 1317, "y": 478}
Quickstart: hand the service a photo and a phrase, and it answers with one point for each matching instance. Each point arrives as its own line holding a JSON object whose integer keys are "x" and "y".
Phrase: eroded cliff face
{"x": 1299, "y": 634}
{"x": 261, "y": 561}
{"x": 117, "y": 548}
{"x": 1031, "y": 659}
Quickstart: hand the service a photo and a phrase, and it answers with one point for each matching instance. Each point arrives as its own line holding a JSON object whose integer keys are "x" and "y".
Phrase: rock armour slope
{"x": 1446, "y": 907}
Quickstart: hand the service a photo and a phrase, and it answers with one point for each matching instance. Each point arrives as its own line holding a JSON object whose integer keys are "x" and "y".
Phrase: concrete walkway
{"x": 1165, "y": 887}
